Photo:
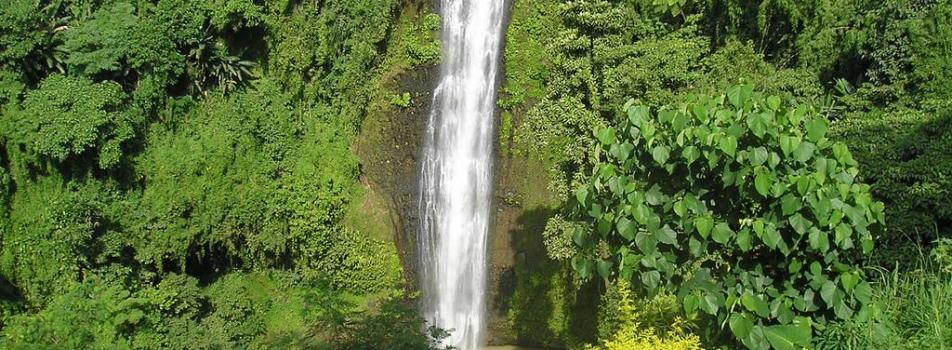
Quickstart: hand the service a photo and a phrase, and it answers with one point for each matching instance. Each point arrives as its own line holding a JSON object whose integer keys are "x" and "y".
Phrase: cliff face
{"x": 533, "y": 300}
{"x": 530, "y": 299}
{"x": 521, "y": 205}
{"x": 391, "y": 134}
{"x": 389, "y": 150}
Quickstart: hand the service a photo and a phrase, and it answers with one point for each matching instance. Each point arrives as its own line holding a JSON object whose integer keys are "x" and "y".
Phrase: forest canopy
{"x": 175, "y": 174}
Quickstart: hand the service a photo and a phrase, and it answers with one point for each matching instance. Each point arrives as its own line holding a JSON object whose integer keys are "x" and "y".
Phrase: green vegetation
{"x": 678, "y": 174}
{"x": 176, "y": 174}
{"x": 915, "y": 308}
{"x": 719, "y": 199}
{"x": 737, "y": 203}
{"x": 644, "y": 324}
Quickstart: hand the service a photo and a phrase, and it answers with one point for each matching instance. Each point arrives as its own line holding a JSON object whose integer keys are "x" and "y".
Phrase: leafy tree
{"x": 737, "y": 203}
{"x": 27, "y": 40}
{"x": 102, "y": 44}
{"x": 68, "y": 117}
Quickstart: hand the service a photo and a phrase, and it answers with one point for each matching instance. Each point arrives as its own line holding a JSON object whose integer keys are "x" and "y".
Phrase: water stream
{"x": 456, "y": 178}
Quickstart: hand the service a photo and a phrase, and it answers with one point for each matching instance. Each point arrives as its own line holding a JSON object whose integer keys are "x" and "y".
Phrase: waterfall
{"x": 456, "y": 177}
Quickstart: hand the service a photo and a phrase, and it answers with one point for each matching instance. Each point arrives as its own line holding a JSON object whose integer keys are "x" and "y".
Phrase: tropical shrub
{"x": 69, "y": 116}
{"x": 628, "y": 324}
{"x": 737, "y": 203}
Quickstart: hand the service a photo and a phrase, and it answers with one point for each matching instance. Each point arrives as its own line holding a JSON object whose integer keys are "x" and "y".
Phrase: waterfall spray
{"x": 456, "y": 178}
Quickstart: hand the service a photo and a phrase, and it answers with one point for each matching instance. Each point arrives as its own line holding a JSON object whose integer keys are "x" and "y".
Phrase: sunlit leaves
{"x": 626, "y": 228}
{"x": 690, "y": 154}
{"x": 789, "y": 144}
{"x": 660, "y": 154}
{"x": 773, "y": 102}
{"x": 759, "y": 123}
{"x": 804, "y": 151}
{"x": 728, "y": 145}
{"x": 863, "y": 292}
{"x": 581, "y": 194}
{"x": 722, "y": 233}
{"x": 816, "y": 129}
{"x": 819, "y": 240}
{"x": 703, "y": 225}
{"x": 790, "y": 337}
{"x": 741, "y": 325}
{"x": 69, "y": 116}
{"x": 606, "y": 136}
{"x": 762, "y": 182}
{"x": 758, "y": 156}
{"x": 745, "y": 180}
{"x": 755, "y": 304}
{"x": 739, "y": 94}
{"x": 799, "y": 223}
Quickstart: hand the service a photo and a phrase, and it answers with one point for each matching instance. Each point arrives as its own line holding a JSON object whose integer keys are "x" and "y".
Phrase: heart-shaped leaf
{"x": 722, "y": 233}
{"x": 703, "y": 225}
{"x": 741, "y": 325}
{"x": 790, "y": 337}
{"x": 728, "y": 145}
{"x": 660, "y": 154}
{"x": 606, "y": 136}
{"x": 816, "y": 129}
{"x": 763, "y": 182}
{"x": 626, "y": 228}
{"x": 788, "y": 144}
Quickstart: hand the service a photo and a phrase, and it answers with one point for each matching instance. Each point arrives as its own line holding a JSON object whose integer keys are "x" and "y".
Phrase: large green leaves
{"x": 703, "y": 225}
{"x": 660, "y": 154}
{"x": 741, "y": 325}
{"x": 739, "y": 94}
{"x": 762, "y": 182}
{"x": 816, "y": 129}
{"x": 790, "y": 337}
{"x": 747, "y": 182}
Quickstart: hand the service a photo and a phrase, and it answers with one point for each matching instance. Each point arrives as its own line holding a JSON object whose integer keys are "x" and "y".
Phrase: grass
{"x": 917, "y": 308}
{"x": 912, "y": 306}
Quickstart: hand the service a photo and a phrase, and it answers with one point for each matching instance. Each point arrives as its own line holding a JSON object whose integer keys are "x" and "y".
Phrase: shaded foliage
{"x": 267, "y": 309}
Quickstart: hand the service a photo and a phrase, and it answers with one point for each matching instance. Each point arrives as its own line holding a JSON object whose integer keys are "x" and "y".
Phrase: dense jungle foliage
{"x": 175, "y": 174}
{"x": 779, "y": 168}
{"x": 766, "y": 174}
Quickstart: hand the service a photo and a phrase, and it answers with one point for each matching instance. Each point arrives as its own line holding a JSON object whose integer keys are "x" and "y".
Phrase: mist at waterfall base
{"x": 456, "y": 177}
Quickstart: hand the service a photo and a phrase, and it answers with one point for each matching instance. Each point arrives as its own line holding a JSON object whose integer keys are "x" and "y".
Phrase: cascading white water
{"x": 456, "y": 179}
